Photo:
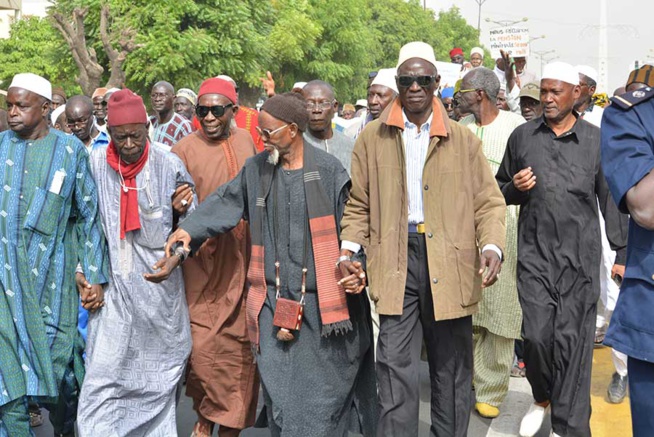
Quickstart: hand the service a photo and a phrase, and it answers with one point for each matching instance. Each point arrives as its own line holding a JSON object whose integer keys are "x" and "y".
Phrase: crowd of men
{"x": 319, "y": 257}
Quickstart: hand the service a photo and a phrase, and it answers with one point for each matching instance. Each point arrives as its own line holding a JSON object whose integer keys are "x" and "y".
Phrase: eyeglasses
{"x": 448, "y": 105}
{"x": 323, "y": 106}
{"x": 467, "y": 91}
{"x": 217, "y": 111}
{"x": 267, "y": 133}
{"x": 423, "y": 81}
{"x": 155, "y": 96}
{"x": 79, "y": 123}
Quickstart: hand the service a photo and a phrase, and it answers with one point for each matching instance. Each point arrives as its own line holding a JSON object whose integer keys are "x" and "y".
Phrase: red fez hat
{"x": 218, "y": 86}
{"x": 125, "y": 107}
{"x": 456, "y": 51}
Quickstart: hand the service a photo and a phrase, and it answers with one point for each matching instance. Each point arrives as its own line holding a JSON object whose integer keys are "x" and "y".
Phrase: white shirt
{"x": 416, "y": 144}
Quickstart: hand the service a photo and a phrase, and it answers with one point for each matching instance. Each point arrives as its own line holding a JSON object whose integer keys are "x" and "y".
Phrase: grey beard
{"x": 273, "y": 157}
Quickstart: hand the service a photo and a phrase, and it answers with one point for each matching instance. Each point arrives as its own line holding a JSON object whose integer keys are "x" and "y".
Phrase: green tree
{"x": 35, "y": 46}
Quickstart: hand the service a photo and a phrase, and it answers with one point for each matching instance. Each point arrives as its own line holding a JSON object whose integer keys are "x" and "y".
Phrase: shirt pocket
{"x": 151, "y": 234}
{"x": 44, "y": 212}
{"x": 580, "y": 181}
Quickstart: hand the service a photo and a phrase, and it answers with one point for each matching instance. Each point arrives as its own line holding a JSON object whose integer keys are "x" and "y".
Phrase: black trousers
{"x": 558, "y": 331}
{"x": 449, "y": 351}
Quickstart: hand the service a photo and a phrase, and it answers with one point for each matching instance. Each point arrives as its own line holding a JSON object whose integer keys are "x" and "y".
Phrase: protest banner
{"x": 514, "y": 40}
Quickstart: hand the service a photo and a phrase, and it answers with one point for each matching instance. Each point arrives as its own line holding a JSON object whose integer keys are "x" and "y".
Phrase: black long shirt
{"x": 559, "y": 245}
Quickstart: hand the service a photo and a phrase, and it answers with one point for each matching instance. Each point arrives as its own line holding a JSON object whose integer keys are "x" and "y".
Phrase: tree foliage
{"x": 35, "y": 46}
{"x": 186, "y": 41}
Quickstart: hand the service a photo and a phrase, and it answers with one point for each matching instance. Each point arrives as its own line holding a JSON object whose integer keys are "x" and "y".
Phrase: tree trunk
{"x": 90, "y": 71}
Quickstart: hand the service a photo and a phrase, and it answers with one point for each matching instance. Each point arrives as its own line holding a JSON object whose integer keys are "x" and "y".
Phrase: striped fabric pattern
{"x": 37, "y": 293}
{"x": 416, "y": 144}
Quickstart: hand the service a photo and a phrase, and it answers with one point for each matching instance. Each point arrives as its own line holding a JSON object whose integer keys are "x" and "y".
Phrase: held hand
{"x": 354, "y": 278}
{"x": 182, "y": 199}
{"x": 490, "y": 262}
{"x": 179, "y": 235}
{"x": 165, "y": 267}
{"x": 617, "y": 270}
{"x": 268, "y": 84}
{"x": 92, "y": 296}
{"x": 524, "y": 180}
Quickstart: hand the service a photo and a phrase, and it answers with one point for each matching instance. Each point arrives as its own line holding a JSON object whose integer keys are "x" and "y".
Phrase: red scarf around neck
{"x": 129, "y": 199}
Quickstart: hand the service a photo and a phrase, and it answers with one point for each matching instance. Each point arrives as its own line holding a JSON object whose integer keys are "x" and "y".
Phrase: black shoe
{"x": 617, "y": 388}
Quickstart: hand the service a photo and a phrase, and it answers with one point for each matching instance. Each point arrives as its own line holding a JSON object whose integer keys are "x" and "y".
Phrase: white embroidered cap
{"x": 34, "y": 83}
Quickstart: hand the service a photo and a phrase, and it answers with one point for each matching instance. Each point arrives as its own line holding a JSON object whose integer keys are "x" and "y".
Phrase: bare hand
{"x": 354, "y": 278}
{"x": 92, "y": 296}
{"x": 524, "y": 180}
{"x": 617, "y": 270}
{"x": 179, "y": 235}
{"x": 182, "y": 199}
{"x": 268, "y": 84}
{"x": 509, "y": 73}
{"x": 165, "y": 267}
{"x": 490, "y": 262}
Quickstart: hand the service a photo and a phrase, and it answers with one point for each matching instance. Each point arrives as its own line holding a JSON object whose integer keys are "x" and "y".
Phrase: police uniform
{"x": 627, "y": 157}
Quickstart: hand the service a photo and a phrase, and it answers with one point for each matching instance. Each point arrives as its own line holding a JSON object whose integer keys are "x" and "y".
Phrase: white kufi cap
{"x": 386, "y": 77}
{"x": 587, "y": 71}
{"x": 299, "y": 85}
{"x": 417, "y": 49}
{"x": 56, "y": 113}
{"x": 361, "y": 102}
{"x": 561, "y": 71}
{"x": 34, "y": 83}
{"x": 477, "y": 50}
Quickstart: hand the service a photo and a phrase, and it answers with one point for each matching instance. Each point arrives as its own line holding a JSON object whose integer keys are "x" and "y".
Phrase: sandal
{"x": 202, "y": 428}
{"x": 600, "y": 334}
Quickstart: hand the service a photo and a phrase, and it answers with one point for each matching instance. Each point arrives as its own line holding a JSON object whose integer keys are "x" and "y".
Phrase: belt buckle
{"x": 420, "y": 228}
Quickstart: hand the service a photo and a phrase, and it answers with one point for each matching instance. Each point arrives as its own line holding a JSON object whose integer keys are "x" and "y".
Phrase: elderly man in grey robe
{"x": 309, "y": 325}
{"x": 138, "y": 343}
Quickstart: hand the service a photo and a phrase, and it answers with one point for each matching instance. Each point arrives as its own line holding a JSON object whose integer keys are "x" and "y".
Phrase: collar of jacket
{"x": 440, "y": 125}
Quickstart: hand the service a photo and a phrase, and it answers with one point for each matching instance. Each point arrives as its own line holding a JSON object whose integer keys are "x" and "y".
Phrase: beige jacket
{"x": 463, "y": 207}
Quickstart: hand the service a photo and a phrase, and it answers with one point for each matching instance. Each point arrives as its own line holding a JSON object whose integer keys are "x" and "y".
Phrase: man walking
{"x": 222, "y": 378}
{"x": 497, "y": 325}
{"x": 551, "y": 168}
{"x": 409, "y": 168}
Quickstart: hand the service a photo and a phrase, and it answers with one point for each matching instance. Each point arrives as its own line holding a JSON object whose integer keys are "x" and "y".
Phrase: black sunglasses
{"x": 217, "y": 111}
{"x": 423, "y": 81}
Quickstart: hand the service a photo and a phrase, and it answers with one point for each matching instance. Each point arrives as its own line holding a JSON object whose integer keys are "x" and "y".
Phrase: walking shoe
{"x": 486, "y": 410}
{"x": 533, "y": 420}
{"x": 617, "y": 388}
{"x": 518, "y": 370}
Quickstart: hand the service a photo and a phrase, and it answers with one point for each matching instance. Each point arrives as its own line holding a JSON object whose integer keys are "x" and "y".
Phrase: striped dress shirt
{"x": 416, "y": 143}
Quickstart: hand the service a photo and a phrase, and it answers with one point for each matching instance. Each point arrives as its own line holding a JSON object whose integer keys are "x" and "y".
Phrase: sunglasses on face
{"x": 422, "y": 81}
{"x": 265, "y": 134}
{"x": 217, "y": 111}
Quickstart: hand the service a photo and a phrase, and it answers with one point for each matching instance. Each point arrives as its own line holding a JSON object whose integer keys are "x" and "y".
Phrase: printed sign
{"x": 513, "y": 40}
{"x": 449, "y": 73}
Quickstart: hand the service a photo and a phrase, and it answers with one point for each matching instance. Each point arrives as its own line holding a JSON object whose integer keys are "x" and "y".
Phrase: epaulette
{"x": 632, "y": 98}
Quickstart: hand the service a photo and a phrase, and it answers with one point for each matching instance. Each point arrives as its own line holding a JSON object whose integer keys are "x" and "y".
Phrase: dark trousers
{"x": 558, "y": 332}
{"x": 641, "y": 389}
{"x": 449, "y": 352}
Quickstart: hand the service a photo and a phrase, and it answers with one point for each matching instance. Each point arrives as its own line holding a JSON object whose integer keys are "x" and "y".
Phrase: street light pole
{"x": 479, "y": 2}
{"x": 542, "y": 54}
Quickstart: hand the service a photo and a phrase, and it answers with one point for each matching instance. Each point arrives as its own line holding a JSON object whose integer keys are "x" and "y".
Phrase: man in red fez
{"x": 456, "y": 56}
{"x": 139, "y": 341}
{"x": 223, "y": 380}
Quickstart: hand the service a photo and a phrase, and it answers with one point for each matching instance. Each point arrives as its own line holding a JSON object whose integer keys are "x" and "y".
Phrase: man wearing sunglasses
{"x": 215, "y": 277}
{"x": 425, "y": 206}
{"x": 321, "y": 106}
{"x": 168, "y": 127}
